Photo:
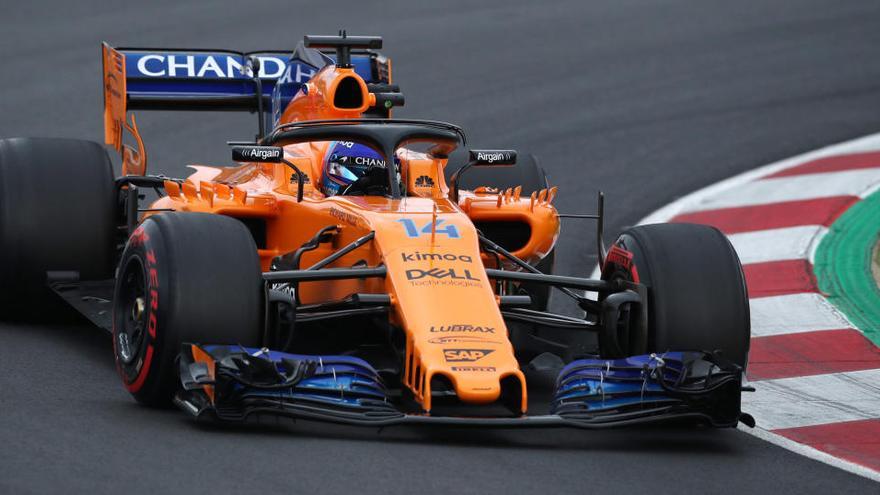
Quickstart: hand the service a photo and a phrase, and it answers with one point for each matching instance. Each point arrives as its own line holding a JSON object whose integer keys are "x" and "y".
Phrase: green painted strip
{"x": 843, "y": 265}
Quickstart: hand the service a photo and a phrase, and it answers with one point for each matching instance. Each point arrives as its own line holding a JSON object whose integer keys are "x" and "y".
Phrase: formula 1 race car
{"x": 355, "y": 267}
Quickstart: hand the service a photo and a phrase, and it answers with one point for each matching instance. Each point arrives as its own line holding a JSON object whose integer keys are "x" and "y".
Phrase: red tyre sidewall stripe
{"x": 142, "y": 376}
{"x": 140, "y": 238}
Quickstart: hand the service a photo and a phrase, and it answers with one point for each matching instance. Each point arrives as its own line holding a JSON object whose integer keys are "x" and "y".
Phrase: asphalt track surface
{"x": 645, "y": 100}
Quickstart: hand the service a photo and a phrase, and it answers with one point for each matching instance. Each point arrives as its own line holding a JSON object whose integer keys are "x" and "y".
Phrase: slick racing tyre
{"x": 57, "y": 213}
{"x": 528, "y": 174}
{"x": 184, "y": 277}
{"x": 697, "y": 298}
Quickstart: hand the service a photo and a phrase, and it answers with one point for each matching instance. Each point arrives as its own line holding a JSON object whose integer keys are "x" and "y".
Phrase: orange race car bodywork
{"x": 440, "y": 292}
{"x": 400, "y": 298}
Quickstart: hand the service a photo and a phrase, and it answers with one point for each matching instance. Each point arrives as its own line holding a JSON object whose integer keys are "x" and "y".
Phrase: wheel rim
{"x": 131, "y": 334}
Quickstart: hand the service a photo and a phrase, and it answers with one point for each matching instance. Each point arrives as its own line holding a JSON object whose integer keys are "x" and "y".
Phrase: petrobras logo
{"x": 207, "y": 66}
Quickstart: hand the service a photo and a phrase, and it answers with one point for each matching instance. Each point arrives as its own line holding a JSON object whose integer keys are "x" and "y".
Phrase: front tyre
{"x": 697, "y": 297}
{"x": 183, "y": 277}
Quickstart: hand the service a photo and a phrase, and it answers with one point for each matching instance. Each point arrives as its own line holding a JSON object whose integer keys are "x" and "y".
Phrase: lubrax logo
{"x": 461, "y": 328}
{"x": 440, "y": 273}
{"x": 465, "y": 355}
{"x": 419, "y": 256}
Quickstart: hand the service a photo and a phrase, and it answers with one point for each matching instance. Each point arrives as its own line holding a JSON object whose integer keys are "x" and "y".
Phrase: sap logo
{"x": 478, "y": 369}
{"x": 217, "y": 66}
{"x": 439, "y": 273}
{"x": 462, "y": 328}
{"x": 413, "y": 230}
{"x": 465, "y": 355}
{"x": 417, "y": 256}
{"x": 424, "y": 181}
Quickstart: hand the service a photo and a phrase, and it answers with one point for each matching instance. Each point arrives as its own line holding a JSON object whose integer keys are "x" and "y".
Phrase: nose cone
{"x": 446, "y": 304}
{"x": 476, "y": 361}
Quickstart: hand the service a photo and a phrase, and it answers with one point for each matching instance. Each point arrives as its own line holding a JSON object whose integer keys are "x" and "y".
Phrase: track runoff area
{"x": 804, "y": 229}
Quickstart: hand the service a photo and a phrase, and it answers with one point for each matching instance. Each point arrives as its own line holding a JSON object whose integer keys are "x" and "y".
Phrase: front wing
{"x": 232, "y": 383}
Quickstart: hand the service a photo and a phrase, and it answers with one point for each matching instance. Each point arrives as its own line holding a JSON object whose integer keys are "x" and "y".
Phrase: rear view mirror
{"x": 493, "y": 158}
{"x": 483, "y": 158}
{"x": 267, "y": 154}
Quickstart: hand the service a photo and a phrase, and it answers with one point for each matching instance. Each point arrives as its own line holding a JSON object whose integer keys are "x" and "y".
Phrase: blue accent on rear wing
{"x": 194, "y": 79}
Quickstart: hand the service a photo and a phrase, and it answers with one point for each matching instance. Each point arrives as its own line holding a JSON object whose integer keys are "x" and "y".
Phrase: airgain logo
{"x": 465, "y": 355}
{"x": 424, "y": 181}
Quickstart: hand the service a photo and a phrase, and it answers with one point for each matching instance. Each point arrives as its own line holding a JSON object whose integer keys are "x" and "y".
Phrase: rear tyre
{"x": 57, "y": 212}
{"x": 697, "y": 298}
{"x": 184, "y": 277}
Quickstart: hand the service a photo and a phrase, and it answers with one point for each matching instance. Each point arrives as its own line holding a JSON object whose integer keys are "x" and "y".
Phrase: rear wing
{"x": 207, "y": 79}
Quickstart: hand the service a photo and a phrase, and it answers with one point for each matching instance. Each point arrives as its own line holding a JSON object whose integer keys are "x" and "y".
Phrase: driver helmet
{"x": 345, "y": 163}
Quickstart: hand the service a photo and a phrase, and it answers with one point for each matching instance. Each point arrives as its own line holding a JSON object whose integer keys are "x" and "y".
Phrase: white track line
{"x": 816, "y": 400}
{"x": 794, "y": 313}
{"x": 790, "y": 243}
{"x": 810, "y": 452}
{"x": 865, "y": 144}
{"x": 792, "y": 188}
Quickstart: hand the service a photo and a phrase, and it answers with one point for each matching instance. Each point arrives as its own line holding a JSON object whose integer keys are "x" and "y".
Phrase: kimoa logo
{"x": 465, "y": 355}
{"x": 461, "y": 328}
{"x": 419, "y": 256}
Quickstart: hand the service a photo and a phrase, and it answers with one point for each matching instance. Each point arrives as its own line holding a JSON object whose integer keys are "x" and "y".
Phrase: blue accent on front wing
{"x": 599, "y": 385}
{"x": 337, "y": 380}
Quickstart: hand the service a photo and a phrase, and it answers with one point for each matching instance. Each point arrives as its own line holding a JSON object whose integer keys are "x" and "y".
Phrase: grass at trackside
{"x": 843, "y": 265}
